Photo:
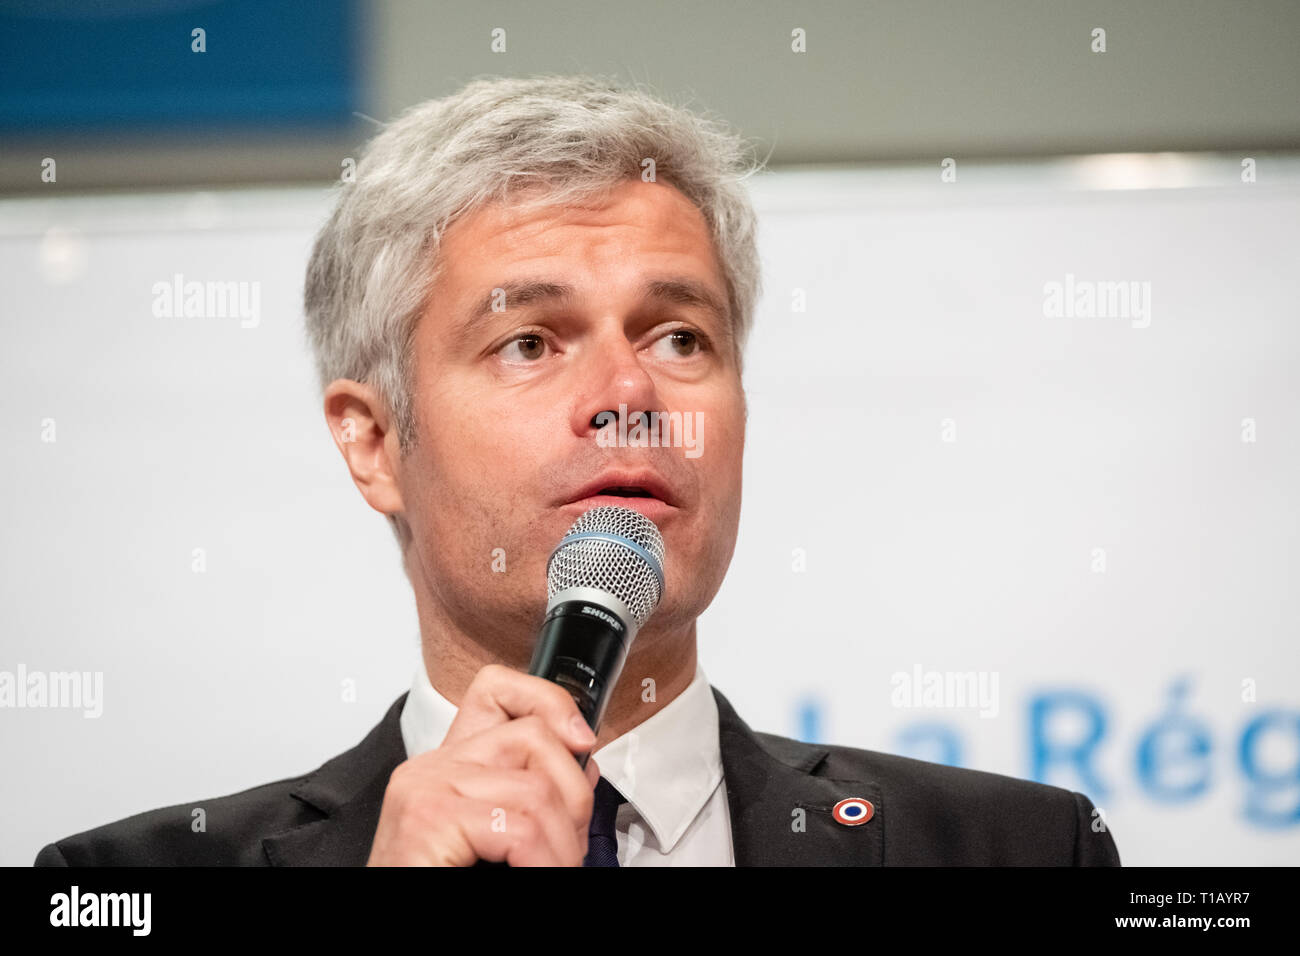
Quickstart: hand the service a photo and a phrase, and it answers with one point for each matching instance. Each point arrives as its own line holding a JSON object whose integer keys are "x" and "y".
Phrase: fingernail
{"x": 581, "y": 730}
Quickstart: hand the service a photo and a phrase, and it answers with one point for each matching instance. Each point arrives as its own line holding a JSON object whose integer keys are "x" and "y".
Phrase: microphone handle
{"x": 581, "y": 650}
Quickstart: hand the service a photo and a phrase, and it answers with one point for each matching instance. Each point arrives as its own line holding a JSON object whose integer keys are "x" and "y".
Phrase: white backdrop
{"x": 1099, "y": 513}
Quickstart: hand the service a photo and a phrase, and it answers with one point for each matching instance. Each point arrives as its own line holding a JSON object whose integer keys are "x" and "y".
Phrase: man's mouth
{"x": 641, "y": 490}
{"x": 623, "y": 491}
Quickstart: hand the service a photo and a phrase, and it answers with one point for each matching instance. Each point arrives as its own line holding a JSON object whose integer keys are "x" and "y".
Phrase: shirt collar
{"x": 667, "y": 766}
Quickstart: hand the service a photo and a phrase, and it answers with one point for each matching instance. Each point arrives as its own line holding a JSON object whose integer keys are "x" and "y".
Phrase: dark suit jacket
{"x": 925, "y": 813}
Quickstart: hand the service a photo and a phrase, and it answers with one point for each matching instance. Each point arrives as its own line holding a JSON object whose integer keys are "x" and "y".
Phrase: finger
{"x": 533, "y": 852}
{"x": 499, "y": 694}
{"x": 593, "y": 778}
{"x": 520, "y": 794}
{"x": 527, "y": 743}
{"x": 512, "y": 834}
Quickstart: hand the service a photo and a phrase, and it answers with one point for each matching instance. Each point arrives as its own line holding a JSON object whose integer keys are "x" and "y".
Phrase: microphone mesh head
{"x": 588, "y": 558}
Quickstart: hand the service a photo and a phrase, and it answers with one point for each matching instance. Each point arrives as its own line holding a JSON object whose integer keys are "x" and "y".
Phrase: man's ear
{"x": 360, "y": 423}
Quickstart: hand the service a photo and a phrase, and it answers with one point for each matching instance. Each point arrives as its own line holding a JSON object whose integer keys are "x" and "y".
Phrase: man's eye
{"x": 683, "y": 342}
{"x": 526, "y": 348}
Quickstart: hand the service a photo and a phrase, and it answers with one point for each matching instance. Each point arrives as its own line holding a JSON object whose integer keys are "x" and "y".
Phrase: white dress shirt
{"x": 669, "y": 767}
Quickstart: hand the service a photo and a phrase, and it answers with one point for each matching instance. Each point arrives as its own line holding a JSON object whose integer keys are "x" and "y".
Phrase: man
{"x": 516, "y": 269}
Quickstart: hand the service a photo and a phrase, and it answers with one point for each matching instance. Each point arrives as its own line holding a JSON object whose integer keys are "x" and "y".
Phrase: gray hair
{"x": 376, "y": 257}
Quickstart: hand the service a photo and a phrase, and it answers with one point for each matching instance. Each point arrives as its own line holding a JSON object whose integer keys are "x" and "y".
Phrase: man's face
{"x": 507, "y": 454}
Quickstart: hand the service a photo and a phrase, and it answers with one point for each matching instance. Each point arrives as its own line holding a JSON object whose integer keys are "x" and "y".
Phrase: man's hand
{"x": 504, "y": 785}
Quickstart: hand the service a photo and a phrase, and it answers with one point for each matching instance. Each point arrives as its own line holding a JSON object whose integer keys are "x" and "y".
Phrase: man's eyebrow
{"x": 677, "y": 290}
{"x": 519, "y": 293}
{"x": 688, "y": 292}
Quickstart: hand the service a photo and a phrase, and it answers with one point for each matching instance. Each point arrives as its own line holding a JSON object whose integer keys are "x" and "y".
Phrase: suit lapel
{"x": 349, "y": 791}
{"x": 781, "y": 808}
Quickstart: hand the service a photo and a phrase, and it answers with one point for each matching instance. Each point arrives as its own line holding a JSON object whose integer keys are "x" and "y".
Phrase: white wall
{"x": 924, "y": 306}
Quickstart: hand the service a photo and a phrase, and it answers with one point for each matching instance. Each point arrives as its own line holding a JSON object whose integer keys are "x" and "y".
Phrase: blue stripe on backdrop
{"x": 130, "y": 65}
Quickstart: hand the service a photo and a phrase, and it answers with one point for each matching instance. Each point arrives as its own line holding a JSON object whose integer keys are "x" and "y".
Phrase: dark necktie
{"x": 602, "y": 841}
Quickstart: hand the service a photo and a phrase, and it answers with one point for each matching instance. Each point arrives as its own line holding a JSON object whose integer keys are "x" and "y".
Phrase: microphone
{"x": 603, "y": 581}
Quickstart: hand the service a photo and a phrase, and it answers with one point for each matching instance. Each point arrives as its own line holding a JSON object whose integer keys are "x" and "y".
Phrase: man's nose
{"x": 617, "y": 385}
